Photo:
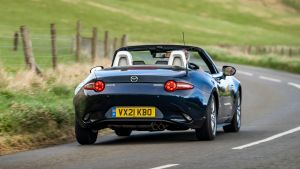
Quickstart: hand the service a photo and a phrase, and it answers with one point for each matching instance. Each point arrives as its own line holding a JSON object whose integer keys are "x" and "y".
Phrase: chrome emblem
{"x": 134, "y": 78}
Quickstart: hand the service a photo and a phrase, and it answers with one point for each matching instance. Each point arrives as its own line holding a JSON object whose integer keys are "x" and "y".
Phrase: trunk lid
{"x": 139, "y": 74}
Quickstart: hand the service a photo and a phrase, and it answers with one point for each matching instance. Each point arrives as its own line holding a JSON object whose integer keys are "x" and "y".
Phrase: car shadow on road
{"x": 152, "y": 138}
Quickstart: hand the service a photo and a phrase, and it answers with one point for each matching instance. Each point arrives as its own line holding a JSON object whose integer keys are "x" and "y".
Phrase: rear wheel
{"x": 235, "y": 124}
{"x": 123, "y": 132}
{"x": 85, "y": 136}
{"x": 209, "y": 128}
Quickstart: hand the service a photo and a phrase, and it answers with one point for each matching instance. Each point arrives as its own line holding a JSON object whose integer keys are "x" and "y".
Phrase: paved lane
{"x": 270, "y": 106}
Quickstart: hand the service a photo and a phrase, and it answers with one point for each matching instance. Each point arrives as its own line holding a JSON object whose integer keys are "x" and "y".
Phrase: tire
{"x": 236, "y": 121}
{"x": 85, "y": 136}
{"x": 208, "y": 130}
{"x": 123, "y": 132}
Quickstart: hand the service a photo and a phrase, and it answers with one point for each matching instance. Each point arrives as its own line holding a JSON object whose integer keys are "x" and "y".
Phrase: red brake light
{"x": 171, "y": 86}
{"x": 97, "y": 86}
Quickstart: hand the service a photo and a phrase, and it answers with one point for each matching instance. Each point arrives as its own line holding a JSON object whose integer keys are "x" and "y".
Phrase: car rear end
{"x": 140, "y": 98}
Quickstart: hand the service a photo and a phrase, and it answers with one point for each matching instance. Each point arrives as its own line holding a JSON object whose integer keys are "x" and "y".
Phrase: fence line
{"x": 38, "y": 56}
{"x": 61, "y": 39}
{"x": 39, "y": 47}
{"x": 56, "y": 45}
{"x": 35, "y": 28}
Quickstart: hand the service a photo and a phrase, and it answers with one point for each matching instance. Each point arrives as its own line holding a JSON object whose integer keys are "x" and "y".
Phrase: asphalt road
{"x": 271, "y": 107}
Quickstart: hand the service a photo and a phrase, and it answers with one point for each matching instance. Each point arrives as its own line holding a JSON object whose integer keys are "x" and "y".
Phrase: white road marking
{"x": 244, "y": 73}
{"x": 270, "y": 79}
{"x": 165, "y": 166}
{"x": 294, "y": 84}
{"x": 268, "y": 139}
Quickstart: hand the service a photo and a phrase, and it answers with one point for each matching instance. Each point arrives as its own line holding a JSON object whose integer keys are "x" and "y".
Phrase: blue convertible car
{"x": 155, "y": 88}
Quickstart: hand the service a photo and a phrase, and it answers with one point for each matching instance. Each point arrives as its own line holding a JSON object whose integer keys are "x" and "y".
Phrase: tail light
{"x": 97, "y": 86}
{"x": 171, "y": 86}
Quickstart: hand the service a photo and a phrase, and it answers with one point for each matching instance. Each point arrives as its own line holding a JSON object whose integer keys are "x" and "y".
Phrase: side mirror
{"x": 228, "y": 70}
{"x": 96, "y": 68}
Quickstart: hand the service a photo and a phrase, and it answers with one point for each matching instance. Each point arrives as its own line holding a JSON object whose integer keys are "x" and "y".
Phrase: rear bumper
{"x": 94, "y": 111}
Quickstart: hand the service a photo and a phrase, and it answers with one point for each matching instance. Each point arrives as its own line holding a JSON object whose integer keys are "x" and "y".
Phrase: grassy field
{"x": 205, "y": 22}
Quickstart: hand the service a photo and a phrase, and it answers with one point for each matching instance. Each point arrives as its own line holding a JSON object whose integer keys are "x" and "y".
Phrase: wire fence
{"x": 72, "y": 45}
{"x": 65, "y": 47}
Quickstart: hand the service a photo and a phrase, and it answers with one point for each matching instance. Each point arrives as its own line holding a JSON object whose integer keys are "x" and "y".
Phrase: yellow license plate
{"x": 133, "y": 112}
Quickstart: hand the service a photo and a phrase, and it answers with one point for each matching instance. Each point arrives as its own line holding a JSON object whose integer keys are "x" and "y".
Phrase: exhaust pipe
{"x": 158, "y": 126}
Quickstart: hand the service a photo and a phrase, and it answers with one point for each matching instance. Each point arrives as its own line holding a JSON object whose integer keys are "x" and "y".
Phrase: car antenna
{"x": 183, "y": 39}
{"x": 187, "y": 64}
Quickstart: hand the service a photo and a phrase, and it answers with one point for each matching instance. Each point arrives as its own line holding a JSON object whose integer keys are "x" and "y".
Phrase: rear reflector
{"x": 184, "y": 86}
{"x": 171, "y": 86}
{"x": 97, "y": 86}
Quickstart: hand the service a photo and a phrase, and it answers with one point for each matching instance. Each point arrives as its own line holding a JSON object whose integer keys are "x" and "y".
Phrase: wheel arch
{"x": 240, "y": 92}
{"x": 216, "y": 95}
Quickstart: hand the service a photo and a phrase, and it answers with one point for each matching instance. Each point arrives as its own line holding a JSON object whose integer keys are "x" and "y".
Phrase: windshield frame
{"x": 164, "y": 48}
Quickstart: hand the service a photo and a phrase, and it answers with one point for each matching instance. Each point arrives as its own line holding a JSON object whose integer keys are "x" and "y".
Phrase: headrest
{"x": 126, "y": 59}
{"x": 177, "y": 58}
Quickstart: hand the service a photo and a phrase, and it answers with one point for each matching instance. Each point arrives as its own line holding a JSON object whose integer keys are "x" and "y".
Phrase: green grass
{"x": 35, "y": 117}
{"x": 231, "y": 22}
{"x": 36, "y": 110}
{"x": 289, "y": 64}
{"x": 292, "y": 3}
{"x": 205, "y": 22}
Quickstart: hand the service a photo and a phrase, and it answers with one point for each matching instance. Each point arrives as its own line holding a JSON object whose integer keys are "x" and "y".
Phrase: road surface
{"x": 269, "y": 137}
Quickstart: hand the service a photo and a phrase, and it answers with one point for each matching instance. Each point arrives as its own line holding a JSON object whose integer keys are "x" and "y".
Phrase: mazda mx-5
{"x": 156, "y": 88}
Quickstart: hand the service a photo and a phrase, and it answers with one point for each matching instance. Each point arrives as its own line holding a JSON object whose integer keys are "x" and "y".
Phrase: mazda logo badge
{"x": 134, "y": 78}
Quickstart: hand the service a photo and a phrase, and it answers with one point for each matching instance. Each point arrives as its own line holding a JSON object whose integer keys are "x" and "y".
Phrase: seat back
{"x": 123, "y": 58}
{"x": 177, "y": 58}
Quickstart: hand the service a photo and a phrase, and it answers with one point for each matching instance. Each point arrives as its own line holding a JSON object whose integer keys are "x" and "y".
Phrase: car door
{"x": 224, "y": 88}
{"x": 205, "y": 63}
{"x": 222, "y": 85}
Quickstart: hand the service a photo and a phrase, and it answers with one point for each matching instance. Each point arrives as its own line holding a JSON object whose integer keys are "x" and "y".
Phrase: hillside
{"x": 265, "y": 22}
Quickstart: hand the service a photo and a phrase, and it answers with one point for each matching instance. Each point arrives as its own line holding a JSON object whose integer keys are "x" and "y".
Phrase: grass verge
{"x": 38, "y": 111}
{"x": 284, "y": 63}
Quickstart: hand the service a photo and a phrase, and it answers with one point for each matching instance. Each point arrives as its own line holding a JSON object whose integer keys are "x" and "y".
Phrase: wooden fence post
{"x": 53, "y": 45}
{"x": 115, "y": 43}
{"x": 24, "y": 39}
{"x": 78, "y": 41}
{"x": 28, "y": 53}
{"x": 282, "y": 51}
{"x": 106, "y": 34}
{"x": 124, "y": 40}
{"x": 94, "y": 45}
{"x": 290, "y": 52}
{"x": 249, "y": 49}
{"x": 16, "y": 41}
